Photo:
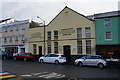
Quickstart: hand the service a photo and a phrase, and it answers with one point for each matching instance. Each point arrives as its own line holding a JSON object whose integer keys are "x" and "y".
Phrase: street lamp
{"x": 44, "y": 31}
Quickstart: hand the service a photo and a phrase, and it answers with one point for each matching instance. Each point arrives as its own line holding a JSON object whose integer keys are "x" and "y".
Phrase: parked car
{"x": 91, "y": 60}
{"x": 7, "y": 55}
{"x": 24, "y": 56}
{"x": 53, "y": 58}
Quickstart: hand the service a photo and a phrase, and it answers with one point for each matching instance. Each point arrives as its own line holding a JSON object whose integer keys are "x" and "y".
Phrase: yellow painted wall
{"x": 68, "y": 20}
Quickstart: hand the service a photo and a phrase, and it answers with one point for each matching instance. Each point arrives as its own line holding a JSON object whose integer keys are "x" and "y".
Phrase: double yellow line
{"x": 8, "y": 76}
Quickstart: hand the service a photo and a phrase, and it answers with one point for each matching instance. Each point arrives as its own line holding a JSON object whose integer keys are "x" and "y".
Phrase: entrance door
{"x": 40, "y": 51}
{"x": 67, "y": 51}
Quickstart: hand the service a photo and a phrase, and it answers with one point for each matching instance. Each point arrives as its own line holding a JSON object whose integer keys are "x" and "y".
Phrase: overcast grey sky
{"x": 48, "y": 9}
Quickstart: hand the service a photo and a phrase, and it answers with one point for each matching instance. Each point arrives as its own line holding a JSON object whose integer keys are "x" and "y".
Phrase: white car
{"x": 53, "y": 58}
{"x": 91, "y": 60}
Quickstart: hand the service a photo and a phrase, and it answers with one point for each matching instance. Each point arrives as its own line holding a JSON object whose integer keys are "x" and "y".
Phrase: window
{"x": 34, "y": 48}
{"x": 88, "y": 46}
{"x": 16, "y": 38}
{"x": 23, "y": 26}
{"x": 55, "y": 35}
{"x": 88, "y": 57}
{"x": 10, "y": 38}
{"x": 49, "y": 47}
{"x": 22, "y": 37}
{"x": 6, "y": 28}
{"x": 53, "y": 55}
{"x": 108, "y": 35}
{"x": 96, "y": 57}
{"x": 79, "y": 47}
{"x": 5, "y": 39}
{"x": 49, "y": 35}
{"x": 79, "y": 32}
{"x": 11, "y": 28}
{"x": 0, "y": 29}
{"x": 107, "y": 23}
{"x": 87, "y": 30}
{"x": 17, "y": 27}
{"x": 56, "y": 47}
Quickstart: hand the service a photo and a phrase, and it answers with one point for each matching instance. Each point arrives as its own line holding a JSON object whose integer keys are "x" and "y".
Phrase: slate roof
{"x": 104, "y": 15}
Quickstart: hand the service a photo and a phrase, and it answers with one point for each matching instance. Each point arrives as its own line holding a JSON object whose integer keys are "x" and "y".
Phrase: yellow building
{"x": 69, "y": 33}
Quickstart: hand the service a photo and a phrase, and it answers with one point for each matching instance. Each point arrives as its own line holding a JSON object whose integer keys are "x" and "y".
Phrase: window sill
{"x": 108, "y": 39}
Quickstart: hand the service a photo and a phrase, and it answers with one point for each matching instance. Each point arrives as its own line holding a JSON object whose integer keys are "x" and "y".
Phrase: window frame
{"x": 88, "y": 32}
{"x": 106, "y": 36}
{"x": 110, "y": 23}
{"x": 79, "y": 34}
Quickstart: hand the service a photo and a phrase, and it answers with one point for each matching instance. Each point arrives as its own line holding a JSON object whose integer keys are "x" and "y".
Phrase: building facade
{"x": 14, "y": 36}
{"x": 108, "y": 34}
{"x": 69, "y": 33}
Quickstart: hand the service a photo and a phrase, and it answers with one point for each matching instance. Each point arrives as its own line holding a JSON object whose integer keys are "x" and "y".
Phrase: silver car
{"x": 91, "y": 60}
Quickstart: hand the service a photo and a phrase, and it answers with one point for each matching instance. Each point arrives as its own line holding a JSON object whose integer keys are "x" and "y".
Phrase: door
{"x": 40, "y": 51}
{"x": 47, "y": 58}
{"x": 67, "y": 51}
{"x": 87, "y": 60}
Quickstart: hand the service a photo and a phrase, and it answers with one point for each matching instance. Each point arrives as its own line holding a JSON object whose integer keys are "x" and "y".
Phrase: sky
{"x": 48, "y": 9}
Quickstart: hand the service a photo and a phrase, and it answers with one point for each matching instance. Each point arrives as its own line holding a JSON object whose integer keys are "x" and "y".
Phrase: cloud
{"x": 48, "y": 9}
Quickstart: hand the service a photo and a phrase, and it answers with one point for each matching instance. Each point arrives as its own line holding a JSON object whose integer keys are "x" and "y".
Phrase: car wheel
{"x": 100, "y": 65}
{"x": 25, "y": 59}
{"x": 56, "y": 62}
{"x": 41, "y": 61}
{"x": 15, "y": 58}
{"x": 80, "y": 64}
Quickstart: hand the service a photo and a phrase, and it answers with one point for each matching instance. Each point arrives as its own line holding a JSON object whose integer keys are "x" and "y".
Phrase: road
{"x": 31, "y": 70}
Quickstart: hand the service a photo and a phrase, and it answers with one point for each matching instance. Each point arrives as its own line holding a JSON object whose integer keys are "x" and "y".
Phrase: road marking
{"x": 8, "y": 76}
{"x": 26, "y": 75}
{"x": 4, "y": 73}
{"x": 45, "y": 75}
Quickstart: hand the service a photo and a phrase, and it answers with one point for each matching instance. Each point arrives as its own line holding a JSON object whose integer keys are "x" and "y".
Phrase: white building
{"x": 13, "y": 35}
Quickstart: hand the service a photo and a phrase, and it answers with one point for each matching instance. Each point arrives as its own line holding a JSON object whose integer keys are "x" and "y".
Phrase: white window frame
{"x": 107, "y": 23}
{"x": 106, "y": 36}
{"x": 79, "y": 34}
{"x": 88, "y": 32}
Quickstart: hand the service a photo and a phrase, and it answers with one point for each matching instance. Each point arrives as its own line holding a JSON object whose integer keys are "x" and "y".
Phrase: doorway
{"x": 40, "y": 51}
{"x": 67, "y": 51}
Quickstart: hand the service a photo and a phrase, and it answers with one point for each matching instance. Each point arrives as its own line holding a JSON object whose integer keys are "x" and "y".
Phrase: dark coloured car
{"x": 7, "y": 55}
{"x": 24, "y": 56}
